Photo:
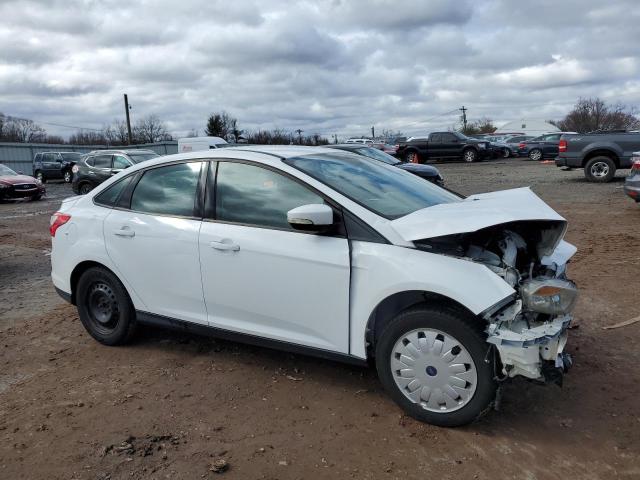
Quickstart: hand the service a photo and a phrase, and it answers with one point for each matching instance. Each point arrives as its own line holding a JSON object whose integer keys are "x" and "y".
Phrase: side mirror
{"x": 311, "y": 218}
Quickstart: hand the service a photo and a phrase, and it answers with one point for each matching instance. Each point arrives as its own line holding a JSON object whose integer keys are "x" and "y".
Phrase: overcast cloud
{"x": 333, "y": 66}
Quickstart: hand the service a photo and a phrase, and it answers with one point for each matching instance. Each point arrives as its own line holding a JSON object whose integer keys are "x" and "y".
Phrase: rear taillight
{"x": 57, "y": 220}
{"x": 522, "y": 145}
{"x": 562, "y": 146}
{"x": 636, "y": 163}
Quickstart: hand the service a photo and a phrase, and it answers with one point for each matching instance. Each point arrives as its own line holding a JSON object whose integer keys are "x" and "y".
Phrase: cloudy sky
{"x": 333, "y": 66}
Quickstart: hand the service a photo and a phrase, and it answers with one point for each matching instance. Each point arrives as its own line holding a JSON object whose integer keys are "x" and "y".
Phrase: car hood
{"x": 16, "y": 179}
{"x": 419, "y": 168}
{"x": 481, "y": 211}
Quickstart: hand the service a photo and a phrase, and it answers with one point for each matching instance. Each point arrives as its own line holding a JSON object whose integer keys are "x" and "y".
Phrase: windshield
{"x": 6, "y": 171}
{"x": 377, "y": 155}
{"x": 71, "y": 156}
{"x": 385, "y": 190}
{"x": 141, "y": 157}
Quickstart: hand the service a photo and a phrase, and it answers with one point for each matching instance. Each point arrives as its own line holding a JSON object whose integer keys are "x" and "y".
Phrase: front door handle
{"x": 225, "y": 244}
{"x": 125, "y": 232}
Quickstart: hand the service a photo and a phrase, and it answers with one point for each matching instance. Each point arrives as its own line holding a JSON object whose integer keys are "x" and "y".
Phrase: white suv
{"x": 328, "y": 253}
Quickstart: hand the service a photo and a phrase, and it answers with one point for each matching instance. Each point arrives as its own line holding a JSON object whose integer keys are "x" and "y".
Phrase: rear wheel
{"x": 469, "y": 155}
{"x": 506, "y": 153}
{"x": 600, "y": 169}
{"x": 431, "y": 361}
{"x": 104, "y": 307}
{"x": 535, "y": 154}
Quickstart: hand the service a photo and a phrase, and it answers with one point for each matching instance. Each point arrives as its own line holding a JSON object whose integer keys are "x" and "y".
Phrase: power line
{"x": 54, "y": 124}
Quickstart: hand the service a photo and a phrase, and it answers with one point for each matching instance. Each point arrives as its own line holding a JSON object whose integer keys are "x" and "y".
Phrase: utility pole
{"x": 335, "y": 138}
{"x": 373, "y": 132}
{"x": 464, "y": 118}
{"x": 126, "y": 110}
{"x": 299, "y": 132}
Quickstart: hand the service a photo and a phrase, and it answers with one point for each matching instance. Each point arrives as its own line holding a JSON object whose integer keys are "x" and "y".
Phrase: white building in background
{"x": 527, "y": 126}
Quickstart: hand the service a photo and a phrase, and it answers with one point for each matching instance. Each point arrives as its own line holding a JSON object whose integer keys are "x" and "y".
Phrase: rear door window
{"x": 102, "y": 161}
{"x": 120, "y": 162}
{"x": 169, "y": 190}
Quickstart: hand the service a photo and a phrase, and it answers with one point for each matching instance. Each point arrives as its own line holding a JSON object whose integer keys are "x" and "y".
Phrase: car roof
{"x": 129, "y": 151}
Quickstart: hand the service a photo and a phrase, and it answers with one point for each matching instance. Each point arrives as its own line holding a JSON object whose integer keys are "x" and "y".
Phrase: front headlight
{"x": 38, "y": 182}
{"x": 551, "y": 296}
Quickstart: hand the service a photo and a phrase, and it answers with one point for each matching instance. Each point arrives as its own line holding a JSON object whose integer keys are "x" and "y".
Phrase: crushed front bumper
{"x": 534, "y": 351}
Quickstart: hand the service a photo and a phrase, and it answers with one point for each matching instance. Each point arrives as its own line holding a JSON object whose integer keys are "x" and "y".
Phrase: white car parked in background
{"x": 325, "y": 252}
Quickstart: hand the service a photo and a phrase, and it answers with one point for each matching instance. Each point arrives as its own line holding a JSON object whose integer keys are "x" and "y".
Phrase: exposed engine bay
{"x": 528, "y": 330}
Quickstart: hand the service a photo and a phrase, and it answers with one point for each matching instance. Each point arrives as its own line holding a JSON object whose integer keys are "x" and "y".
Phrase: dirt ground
{"x": 170, "y": 406}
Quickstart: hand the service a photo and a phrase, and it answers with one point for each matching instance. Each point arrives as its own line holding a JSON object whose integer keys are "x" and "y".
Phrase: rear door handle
{"x": 125, "y": 232}
{"x": 225, "y": 244}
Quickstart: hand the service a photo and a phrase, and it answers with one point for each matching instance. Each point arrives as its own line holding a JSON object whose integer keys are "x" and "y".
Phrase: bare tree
{"x": 593, "y": 114}
{"x": 87, "y": 137}
{"x": 116, "y": 133}
{"x": 21, "y": 130}
{"x": 482, "y": 125}
{"x": 150, "y": 129}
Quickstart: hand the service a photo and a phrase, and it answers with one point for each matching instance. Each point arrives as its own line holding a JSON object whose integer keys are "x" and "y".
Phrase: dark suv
{"x": 97, "y": 166}
{"x": 55, "y": 165}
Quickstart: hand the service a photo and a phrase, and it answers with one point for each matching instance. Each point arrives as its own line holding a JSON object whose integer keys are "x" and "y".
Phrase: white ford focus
{"x": 327, "y": 253}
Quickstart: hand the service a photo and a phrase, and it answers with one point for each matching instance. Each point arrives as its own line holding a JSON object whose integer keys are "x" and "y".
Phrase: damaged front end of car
{"x": 528, "y": 330}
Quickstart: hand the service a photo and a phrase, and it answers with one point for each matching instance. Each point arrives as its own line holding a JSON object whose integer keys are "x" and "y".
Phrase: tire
{"x": 412, "y": 157}
{"x": 428, "y": 401}
{"x": 104, "y": 307}
{"x": 600, "y": 169}
{"x": 535, "y": 154}
{"x": 67, "y": 176}
{"x": 40, "y": 176}
{"x": 470, "y": 155}
{"x": 85, "y": 188}
{"x": 35, "y": 198}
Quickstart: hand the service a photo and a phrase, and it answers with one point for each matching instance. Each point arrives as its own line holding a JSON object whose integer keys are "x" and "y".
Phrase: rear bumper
{"x": 632, "y": 189}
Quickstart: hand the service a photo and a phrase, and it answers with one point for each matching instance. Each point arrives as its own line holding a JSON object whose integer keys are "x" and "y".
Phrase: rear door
{"x": 153, "y": 241}
{"x": 435, "y": 145}
{"x": 450, "y": 145}
{"x": 260, "y": 276}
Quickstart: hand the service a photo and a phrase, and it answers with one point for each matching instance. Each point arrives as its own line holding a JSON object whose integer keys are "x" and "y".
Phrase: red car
{"x": 14, "y": 186}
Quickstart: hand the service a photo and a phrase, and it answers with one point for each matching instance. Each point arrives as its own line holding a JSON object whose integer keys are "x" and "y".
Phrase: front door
{"x": 263, "y": 278}
{"x": 154, "y": 244}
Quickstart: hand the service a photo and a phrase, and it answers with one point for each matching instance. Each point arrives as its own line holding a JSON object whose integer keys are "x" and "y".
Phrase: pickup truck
{"x": 600, "y": 154}
{"x": 443, "y": 145}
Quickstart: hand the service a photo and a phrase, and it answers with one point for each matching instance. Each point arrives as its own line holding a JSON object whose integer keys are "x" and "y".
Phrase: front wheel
{"x": 470, "y": 155}
{"x": 432, "y": 362}
{"x": 40, "y": 177}
{"x": 535, "y": 155}
{"x": 600, "y": 169}
{"x": 412, "y": 157}
{"x": 104, "y": 307}
{"x": 85, "y": 188}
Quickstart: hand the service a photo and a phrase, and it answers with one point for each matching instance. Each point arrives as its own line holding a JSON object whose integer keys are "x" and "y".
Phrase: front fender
{"x": 379, "y": 271}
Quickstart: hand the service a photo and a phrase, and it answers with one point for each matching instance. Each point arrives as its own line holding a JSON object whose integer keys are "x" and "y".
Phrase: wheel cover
{"x": 434, "y": 370}
{"x": 411, "y": 157}
{"x": 102, "y": 307}
{"x": 600, "y": 169}
{"x": 67, "y": 177}
{"x": 84, "y": 189}
{"x": 535, "y": 155}
{"x": 39, "y": 176}
{"x": 469, "y": 156}
{"x": 506, "y": 153}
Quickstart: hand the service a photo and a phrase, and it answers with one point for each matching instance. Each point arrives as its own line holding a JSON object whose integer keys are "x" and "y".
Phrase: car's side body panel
{"x": 379, "y": 271}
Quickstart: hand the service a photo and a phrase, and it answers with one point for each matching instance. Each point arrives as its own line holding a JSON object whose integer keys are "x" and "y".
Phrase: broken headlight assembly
{"x": 552, "y": 296}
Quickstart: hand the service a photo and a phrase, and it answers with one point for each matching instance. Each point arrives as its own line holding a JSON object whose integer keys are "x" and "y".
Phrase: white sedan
{"x": 327, "y": 253}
